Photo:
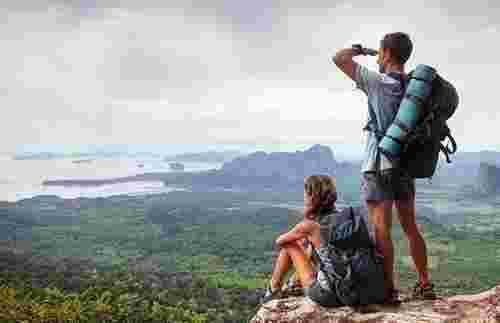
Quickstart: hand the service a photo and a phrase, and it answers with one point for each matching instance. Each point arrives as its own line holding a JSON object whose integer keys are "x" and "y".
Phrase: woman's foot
{"x": 293, "y": 288}
{"x": 270, "y": 294}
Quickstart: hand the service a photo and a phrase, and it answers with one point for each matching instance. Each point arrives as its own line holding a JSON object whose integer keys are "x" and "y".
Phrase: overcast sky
{"x": 227, "y": 71}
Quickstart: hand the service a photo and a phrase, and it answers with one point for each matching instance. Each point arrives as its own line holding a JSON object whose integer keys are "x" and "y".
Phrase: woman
{"x": 341, "y": 246}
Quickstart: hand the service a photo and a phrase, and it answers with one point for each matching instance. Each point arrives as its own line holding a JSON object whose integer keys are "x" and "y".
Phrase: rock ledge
{"x": 478, "y": 308}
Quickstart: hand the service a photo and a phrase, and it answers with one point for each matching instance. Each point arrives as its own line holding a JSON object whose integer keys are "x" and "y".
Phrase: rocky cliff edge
{"x": 478, "y": 308}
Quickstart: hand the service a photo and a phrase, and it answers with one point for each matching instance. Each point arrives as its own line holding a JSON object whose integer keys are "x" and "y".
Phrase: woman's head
{"x": 320, "y": 194}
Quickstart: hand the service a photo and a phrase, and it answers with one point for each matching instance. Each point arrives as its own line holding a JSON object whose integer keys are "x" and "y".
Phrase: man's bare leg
{"x": 380, "y": 216}
{"x": 418, "y": 249}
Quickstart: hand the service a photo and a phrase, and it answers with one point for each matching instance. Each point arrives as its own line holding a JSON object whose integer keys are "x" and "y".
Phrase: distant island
{"x": 82, "y": 161}
{"x": 318, "y": 159}
{"x": 465, "y": 167}
{"x": 488, "y": 180}
{"x": 205, "y": 157}
{"x": 176, "y": 166}
{"x": 38, "y": 156}
{"x": 106, "y": 181}
{"x": 80, "y": 156}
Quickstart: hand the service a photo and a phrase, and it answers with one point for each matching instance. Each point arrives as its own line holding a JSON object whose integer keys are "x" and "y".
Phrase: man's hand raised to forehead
{"x": 344, "y": 59}
{"x": 364, "y": 50}
{"x": 370, "y": 52}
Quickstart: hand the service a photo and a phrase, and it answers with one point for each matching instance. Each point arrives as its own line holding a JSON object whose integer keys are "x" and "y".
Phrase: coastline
{"x": 146, "y": 177}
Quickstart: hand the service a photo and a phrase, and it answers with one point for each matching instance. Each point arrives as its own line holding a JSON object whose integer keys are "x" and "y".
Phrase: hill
{"x": 464, "y": 168}
{"x": 488, "y": 179}
{"x": 257, "y": 171}
{"x": 205, "y": 157}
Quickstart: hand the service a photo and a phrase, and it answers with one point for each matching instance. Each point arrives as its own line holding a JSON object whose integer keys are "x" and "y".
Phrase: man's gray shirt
{"x": 384, "y": 96}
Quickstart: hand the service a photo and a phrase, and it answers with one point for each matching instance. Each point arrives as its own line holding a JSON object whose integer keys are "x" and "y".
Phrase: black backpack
{"x": 354, "y": 269}
{"x": 421, "y": 154}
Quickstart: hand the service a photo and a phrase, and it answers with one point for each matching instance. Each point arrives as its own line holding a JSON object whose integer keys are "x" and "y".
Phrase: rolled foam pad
{"x": 418, "y": 89}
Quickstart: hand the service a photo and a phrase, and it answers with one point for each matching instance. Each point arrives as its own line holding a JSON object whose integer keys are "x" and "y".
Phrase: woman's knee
{"x": 293, "y": 244}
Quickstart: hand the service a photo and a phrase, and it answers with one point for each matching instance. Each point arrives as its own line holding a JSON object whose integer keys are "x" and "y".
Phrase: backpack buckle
{"x": 453, "y": 144}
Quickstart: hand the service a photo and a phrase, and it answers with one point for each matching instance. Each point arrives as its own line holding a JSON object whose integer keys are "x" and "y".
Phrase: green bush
{"x": 92, "y": 305}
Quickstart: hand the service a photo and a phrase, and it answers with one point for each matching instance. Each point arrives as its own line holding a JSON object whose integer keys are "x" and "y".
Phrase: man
{"x": 384, "y": 184}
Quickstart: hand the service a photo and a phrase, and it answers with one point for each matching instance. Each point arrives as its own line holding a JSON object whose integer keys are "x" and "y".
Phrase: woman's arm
{"x": 300, "y": 231}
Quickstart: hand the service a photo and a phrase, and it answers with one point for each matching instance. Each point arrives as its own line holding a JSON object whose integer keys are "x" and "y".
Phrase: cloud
{"x": 78, "y": 72}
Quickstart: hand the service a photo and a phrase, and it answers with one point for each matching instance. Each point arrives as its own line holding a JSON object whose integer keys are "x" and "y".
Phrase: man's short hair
{"x": 400, "y": 46}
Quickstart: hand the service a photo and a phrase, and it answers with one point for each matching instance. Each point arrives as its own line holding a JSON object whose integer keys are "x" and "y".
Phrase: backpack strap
{"x": 378, "y": 134}
{"x": 403, "y": 82}
{"x": 453, "y": 144}
{"x": 326, "y": 230}
{"x": 369, "y": 227}
{"x": 445, "y": 152}
{"x": 446, "y": 149}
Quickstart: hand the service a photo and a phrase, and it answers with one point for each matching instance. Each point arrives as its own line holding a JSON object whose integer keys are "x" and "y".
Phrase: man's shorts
{"x": 391, "y": 184}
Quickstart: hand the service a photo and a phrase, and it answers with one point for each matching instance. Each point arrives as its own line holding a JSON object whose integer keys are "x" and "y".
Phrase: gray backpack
{"x": 348, "y": 258}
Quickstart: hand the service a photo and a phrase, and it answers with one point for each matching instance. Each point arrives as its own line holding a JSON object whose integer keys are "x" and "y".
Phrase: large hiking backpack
{"x": 416, "y": 148}
{"x": 348, "y": 259}
{"x": 421, "y": 154}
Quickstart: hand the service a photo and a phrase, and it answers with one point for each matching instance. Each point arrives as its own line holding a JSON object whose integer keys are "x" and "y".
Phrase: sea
{"x": 22, "y": 179}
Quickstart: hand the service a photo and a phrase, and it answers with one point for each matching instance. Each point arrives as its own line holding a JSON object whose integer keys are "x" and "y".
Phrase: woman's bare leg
{"x": 284, "y": 261}
{"x": 281, "y": 267}
{"x": 301, "y": 262}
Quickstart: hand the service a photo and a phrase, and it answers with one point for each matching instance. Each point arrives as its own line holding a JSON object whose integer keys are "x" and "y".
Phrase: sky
{"x": 221, "y": 72}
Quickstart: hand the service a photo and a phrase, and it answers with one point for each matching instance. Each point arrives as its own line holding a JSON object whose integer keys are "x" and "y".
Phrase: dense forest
{"x": 195, "y": 256}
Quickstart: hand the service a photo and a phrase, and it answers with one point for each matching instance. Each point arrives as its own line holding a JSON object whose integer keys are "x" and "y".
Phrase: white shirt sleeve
{"x": 367, "y": 80}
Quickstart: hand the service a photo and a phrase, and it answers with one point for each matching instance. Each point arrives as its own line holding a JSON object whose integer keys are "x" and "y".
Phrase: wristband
{"x": 358, "y": 49}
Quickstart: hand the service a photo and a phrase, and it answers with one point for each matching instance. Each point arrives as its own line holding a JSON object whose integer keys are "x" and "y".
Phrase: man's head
{"x": 395, "y": 50}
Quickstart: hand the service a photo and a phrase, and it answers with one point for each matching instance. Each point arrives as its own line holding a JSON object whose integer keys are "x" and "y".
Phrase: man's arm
{"x": 344, "y": 60}
{"x": 365, "y": 79}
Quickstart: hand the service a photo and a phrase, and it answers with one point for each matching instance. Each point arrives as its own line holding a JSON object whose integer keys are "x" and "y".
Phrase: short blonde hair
{"x": 324, "y": 189}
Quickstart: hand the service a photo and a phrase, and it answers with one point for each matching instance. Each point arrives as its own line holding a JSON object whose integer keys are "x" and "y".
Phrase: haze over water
{"x": 21, "y": 179}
